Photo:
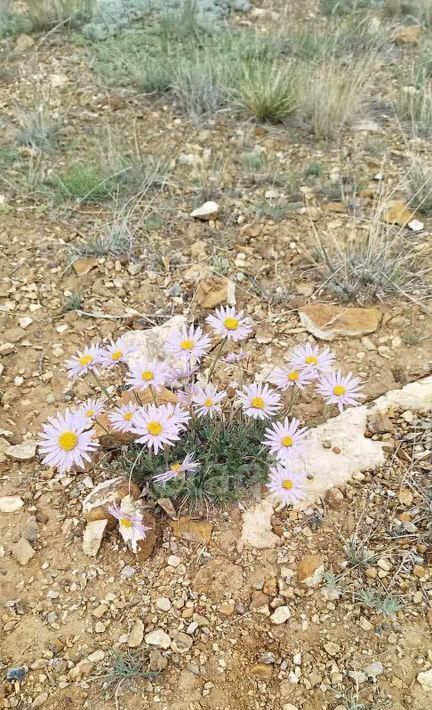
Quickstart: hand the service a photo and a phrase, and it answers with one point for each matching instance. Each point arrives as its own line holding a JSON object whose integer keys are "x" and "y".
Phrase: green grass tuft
{"x": 84, "y": 183}
{"x": 268, "y": 90}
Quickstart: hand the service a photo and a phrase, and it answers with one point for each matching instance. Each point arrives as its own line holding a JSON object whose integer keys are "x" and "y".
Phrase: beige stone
{"x": 328, "y": 322}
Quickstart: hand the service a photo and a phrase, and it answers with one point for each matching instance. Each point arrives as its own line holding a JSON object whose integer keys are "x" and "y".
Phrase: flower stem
{"x": 153, "y": 394}
{"x": 102, "y": 387}
{"x": 137, "y": 398}
{"x": 217, "y": 356}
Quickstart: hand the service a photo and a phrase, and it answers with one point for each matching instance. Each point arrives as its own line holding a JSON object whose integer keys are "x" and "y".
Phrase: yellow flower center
{"x": 90, "y": 413}
{"x": 176, "y": 467}
{"x": 85, "y": 359}
{"x": 293, "y": 376}
{"x": 311, "y": 360}
{"x": 339, "y": 390}
{"x": 117, "y": 355}
{"x": 68, "y": 440}
{"x": 186, "y": 344}
{"x": 154, "y": 428}
{"x": 126, "y": 523}
{"x": 287, "y": 484}
{"x": 231, "y": 323}
{"x": 209, "y": 402}
{"x": 127, "y": 416}
{"x": 257, "y": 402}
{"x": 147, "y": 375}
{"x": 287, "y": 441}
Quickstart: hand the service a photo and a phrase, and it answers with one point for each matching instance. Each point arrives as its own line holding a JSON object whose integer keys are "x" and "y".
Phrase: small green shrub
{"x": 268, "y": 90}
{"x": 232, "y": 462}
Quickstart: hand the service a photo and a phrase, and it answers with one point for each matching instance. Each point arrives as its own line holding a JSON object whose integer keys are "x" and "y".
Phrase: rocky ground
{"x": 336, "y": 612}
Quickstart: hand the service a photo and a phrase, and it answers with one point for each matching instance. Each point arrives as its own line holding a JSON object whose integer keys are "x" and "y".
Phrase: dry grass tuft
{"x": 332, "y": 93}
{"x": 371, "y": 264}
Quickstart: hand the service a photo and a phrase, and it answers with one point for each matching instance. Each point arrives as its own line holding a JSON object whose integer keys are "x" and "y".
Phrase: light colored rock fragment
{"x": 136, "y": 635}
{"x": 206, "y": 211}
{"x": 256, "y": 530}
{"x": 23, "y": 551}
{"x": 10, "y": 504}
{"x": 22, "y": 452}
{"x": 311, "y": 570}
{"x": 425, "y": 680}
{"x": 149, "y": 344}
{"x": 158, "y": 638}
{"x": 92, "y": 537}
{"x": 280, "y": 615}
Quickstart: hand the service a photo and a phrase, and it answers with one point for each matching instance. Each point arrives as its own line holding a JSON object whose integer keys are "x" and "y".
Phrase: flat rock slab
{"x": 327, "y": 322}
{"x": 351, "y": 452}
{"x": 346, "y": 452}
{"x": 192, "y": 530}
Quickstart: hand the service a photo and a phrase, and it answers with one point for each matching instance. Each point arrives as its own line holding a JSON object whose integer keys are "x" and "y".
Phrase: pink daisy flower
{"x": 123, "y": 418}
{"x": 228, "y": 323}
{"x": 177, "y": 374}
{"x": 286, "y": 376}
{"x": 91, "y": 408}
{"x": 286, "y": 485}
{"x": 178, "y": 415}
{"x": 155, "y": 427}
{"x": 259, "y": 401}
{"x": 189, "y": 343}
{"x": 131, "y": 526}
{"x": 146, "y": 374}
{"x": 185, "y": 396}
{"x": 285, "y": 439}
{"x": 207, "y": 400}
{"x": 340, "y": 389}
{"x": 188, "y": 465}
{"x": 67, "y": 440}
{"x": 116, "y": 352}
{"x": 84, "y": 361}
{"x": 312, "y": 358}
{"x": 232, "y": 358}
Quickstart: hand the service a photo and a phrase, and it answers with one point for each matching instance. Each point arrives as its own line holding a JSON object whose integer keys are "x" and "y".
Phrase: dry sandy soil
{"x": 356, "y": 638}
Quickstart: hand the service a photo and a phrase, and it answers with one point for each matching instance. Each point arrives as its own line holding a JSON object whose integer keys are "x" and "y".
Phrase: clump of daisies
{"x": 181, "y": 434}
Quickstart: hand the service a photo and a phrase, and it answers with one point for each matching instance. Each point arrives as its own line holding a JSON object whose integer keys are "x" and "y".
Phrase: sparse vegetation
{"x": 47, "y": 14}
{"x": 73, "y": 302}
{"x": 198, "y": 85}
{"x": 118, "y": 239}
{"x": 371, "y": 264}
{"x": 420, "y": 184}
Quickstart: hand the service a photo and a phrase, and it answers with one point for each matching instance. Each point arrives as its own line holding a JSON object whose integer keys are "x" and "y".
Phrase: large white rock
{"x": 149, "y": 344}
{"x": 329, "y": 469}
{"x": 346, "y": 433}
